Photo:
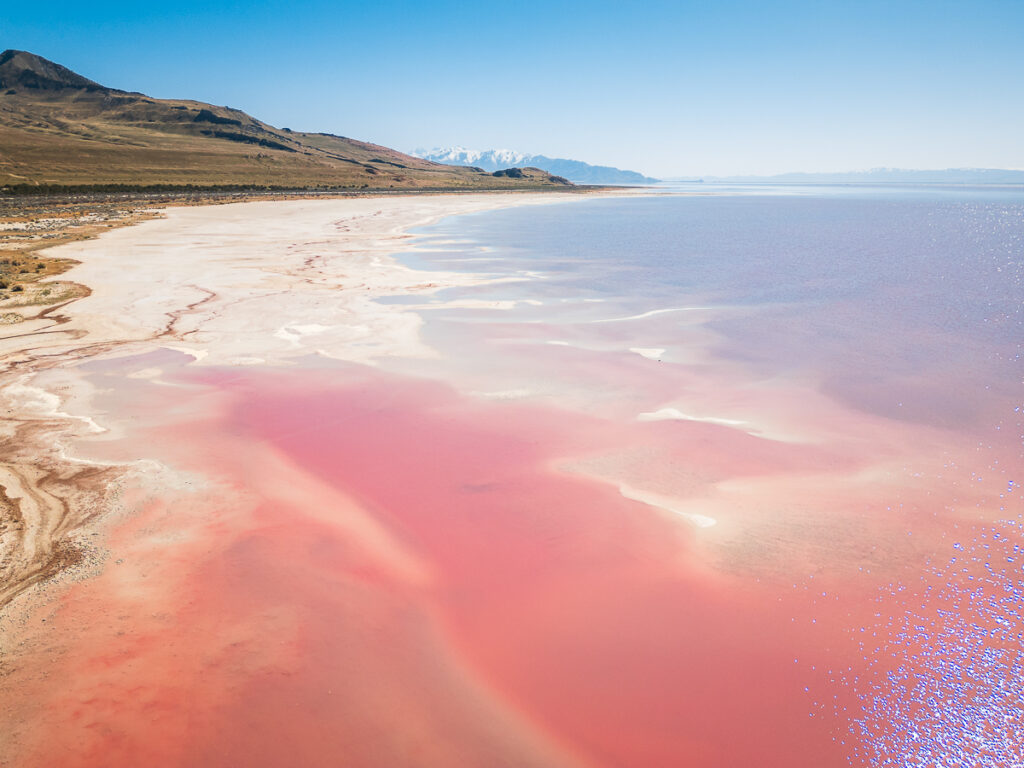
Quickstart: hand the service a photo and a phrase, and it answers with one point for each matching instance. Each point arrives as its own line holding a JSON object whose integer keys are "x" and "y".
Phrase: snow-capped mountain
{"x": 498, "y": 159}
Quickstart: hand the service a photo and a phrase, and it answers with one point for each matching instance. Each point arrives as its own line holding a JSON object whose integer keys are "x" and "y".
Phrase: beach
{"x": 464, "y": 480}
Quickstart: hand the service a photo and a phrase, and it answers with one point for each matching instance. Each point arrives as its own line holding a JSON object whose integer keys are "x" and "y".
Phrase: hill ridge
{"x": 29, "y": 70}
{"x": 58, "y": 128}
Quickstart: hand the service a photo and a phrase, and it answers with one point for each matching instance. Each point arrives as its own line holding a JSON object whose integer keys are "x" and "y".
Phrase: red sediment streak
{"x": 385, "y": 573}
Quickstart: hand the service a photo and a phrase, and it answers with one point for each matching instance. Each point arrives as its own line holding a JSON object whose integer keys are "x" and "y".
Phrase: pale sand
{"x": 246, "y": 283}
{"x": 256, "y": 281}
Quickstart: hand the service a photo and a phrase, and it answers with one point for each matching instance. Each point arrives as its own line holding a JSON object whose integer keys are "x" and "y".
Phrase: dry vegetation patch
{"x": 30, "y": 225}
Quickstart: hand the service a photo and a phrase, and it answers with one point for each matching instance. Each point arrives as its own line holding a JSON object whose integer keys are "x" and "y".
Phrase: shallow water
{"x": 706, "y": 481}
{"x": 916, "y": 299}
{"x": 879, "y": 328}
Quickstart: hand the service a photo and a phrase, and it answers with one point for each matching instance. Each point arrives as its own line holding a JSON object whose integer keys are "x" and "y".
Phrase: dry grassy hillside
{"x": 58, "y": 128}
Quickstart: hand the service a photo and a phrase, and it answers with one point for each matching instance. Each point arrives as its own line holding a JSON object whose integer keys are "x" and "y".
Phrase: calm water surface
{"x": 906, "y": 301}
{"x": 879, "y": 328}
{"x": 704, "y": 481}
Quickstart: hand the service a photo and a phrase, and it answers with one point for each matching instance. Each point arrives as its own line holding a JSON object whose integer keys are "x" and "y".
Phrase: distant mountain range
{"x": 890, "y": 175}
{"x": 494, "y": 159}
{"x": 59, "y": 129}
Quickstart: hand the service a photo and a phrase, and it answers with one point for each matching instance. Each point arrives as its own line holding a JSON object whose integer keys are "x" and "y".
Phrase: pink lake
{"x": 781, "y": 529}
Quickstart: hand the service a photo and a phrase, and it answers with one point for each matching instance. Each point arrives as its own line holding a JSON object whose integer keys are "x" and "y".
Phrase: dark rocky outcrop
{"x": 20, "y": 69}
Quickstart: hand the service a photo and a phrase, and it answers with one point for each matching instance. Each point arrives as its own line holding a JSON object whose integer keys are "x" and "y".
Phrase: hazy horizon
{"x": 668, "y": 89}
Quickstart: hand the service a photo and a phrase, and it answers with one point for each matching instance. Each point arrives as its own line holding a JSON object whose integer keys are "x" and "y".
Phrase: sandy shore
{"x": 237, "y": 284}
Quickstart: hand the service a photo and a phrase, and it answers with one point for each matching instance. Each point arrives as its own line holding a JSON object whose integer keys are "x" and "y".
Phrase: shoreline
{"x": 321, "y": 259}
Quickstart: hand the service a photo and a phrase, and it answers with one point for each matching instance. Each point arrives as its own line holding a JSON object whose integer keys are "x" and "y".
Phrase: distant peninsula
{"x": 575, "y": 171}
{"x": 60, "y": 131}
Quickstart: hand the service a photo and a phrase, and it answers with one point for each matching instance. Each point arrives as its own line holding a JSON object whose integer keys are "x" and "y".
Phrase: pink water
{"x": 386, "y": 572}
{"x": 366, "y": 567}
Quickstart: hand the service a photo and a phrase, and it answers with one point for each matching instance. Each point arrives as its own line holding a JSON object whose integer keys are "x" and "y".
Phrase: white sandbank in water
{"x": 651, "y": 353}
{"x": 674, "y": 414}
{"x": 645, "y": 315}
{"x": 667, "y": 504}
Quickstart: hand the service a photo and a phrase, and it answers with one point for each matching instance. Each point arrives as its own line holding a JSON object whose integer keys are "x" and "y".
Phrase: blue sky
{"x": 667, "y": 88}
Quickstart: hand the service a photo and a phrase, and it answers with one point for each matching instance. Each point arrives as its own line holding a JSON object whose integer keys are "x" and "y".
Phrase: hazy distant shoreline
{"x": 956, "y": 176}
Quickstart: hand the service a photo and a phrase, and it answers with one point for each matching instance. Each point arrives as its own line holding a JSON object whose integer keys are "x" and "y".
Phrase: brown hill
{"x": 58, "y": 128}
